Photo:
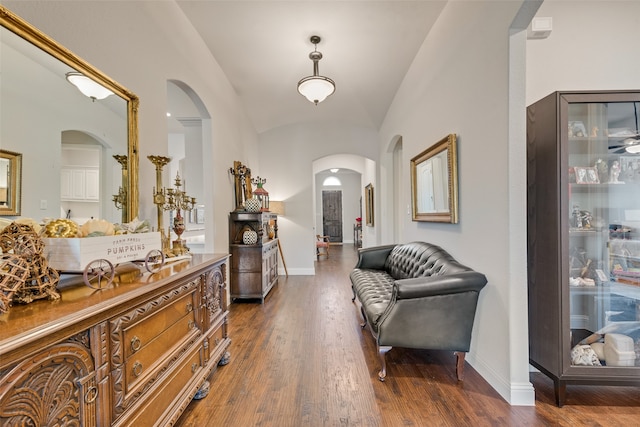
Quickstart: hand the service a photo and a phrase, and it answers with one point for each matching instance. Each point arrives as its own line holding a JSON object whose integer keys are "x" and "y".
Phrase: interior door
{"x": 332, "y": 214}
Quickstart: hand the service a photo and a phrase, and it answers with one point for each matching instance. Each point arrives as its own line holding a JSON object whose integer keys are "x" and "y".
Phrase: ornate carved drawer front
{"x": 155, "y": 408}
{"x": 137, "y": 337}
{"x": 147, "y": 342}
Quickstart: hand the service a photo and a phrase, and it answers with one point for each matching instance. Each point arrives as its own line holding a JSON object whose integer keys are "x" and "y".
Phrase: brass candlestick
{"x": 120, "y": 199}
{"x": 158, "y": 199}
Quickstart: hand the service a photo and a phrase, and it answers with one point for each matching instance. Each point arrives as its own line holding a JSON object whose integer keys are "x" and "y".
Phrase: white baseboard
{"x": 516, "y": 394}
{"x": 297, "y": 272}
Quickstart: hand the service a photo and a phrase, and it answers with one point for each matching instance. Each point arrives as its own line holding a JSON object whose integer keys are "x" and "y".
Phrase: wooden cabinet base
{"x": 133, "y": 354}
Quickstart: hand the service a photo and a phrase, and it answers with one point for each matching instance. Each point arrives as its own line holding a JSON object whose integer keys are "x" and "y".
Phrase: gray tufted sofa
{"x": 416, "y": 295}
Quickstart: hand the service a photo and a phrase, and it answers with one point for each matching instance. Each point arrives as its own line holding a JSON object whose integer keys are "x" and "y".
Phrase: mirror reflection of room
{"x": 34, "y": 86}
{"x": 432, "y": 176}
{"x": 5, "y": 178}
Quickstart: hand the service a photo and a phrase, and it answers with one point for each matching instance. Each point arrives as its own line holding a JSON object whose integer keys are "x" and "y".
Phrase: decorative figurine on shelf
{"x": 603, "y": 170}
{"x": 614, "y": 173}
{"x": 242, "y": 181}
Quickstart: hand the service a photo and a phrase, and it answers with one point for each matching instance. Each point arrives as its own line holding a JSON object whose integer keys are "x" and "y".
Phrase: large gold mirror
{"x": 10, "y": 185}
{"x": 69, "y": 141}
{"x": 434, "y": 182}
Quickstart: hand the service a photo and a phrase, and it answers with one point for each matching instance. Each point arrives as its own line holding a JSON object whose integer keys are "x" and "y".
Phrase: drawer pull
{"x": 91, "y": 395}
{"x": 189, "y": 307}
{"x": 137, "y": 369}
{"x": 192, "y": 324}
{"x": 217, "y": 340}
{"x": 194, "y": 367}
{"x": 135, "y": 343}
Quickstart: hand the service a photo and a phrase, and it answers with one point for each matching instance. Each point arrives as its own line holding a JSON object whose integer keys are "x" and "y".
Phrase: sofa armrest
{"x": 464, "y": 281}
{"x": 374, "y": 257}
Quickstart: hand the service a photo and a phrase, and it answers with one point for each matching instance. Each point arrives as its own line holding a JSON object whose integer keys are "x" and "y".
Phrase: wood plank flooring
{"x": 301, "y": 359}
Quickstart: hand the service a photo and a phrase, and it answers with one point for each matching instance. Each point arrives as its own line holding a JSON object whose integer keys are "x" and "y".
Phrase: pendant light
{"x": 316, "y": 88}
{"x": 87, "y": 86}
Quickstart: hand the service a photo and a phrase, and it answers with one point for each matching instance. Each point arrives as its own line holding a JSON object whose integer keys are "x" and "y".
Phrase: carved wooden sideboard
{"x": 135, "y": 353}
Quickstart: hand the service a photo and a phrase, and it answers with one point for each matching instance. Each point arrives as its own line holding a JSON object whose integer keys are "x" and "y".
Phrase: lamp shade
{"x": 316, "y": 88}
{"x": 277, "y": 208}
{"x": 87, "y": 86}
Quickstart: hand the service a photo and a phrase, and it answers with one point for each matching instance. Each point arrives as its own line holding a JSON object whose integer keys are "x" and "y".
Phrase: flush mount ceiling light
{"x": 316, "y": 88}
{"x": 87, "y": 86}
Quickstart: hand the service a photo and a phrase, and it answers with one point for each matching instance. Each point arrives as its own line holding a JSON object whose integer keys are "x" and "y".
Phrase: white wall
{"x": 459, "y": 83}
{"x": 595, "y": 49}
{"x": 152, "y": 44}
{"x": 290, "y": 156}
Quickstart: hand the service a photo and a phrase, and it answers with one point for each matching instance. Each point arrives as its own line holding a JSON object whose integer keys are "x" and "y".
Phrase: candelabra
{"x": 175, "y": 199}
{"x": 120, "y": 199}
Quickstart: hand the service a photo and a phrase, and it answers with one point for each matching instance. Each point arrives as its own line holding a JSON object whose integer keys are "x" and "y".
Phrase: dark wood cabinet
{"x": 583, "y": 188}
{"x": 254, "y": 259}
{"x": 135, "y": 353}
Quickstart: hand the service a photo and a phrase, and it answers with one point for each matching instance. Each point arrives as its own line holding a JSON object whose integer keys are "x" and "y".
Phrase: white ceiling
{"x": 263, "y": 47}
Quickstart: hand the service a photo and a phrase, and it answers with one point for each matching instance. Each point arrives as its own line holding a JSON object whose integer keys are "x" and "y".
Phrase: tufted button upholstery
{"x": 419, "y": 259}
{"x": 374, "y": 289}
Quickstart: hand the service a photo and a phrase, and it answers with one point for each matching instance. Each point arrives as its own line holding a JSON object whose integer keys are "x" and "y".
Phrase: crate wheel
{"x": 98, "y": 274}
{"x": 154, "y": 260}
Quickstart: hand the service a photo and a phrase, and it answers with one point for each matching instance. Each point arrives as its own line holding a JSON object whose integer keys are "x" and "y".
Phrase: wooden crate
{"x": 74, "y": 254}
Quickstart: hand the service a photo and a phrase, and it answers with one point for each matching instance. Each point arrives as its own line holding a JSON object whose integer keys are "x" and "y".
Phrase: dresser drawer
{"x": 163, "y": 396}
{"x": 140, "y": 334}
{"x": 148, "y": 359}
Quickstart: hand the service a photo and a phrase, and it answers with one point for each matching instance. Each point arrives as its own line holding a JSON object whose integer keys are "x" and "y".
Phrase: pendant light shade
{"x": 87, "y": 86}
{"x": 316, "y": 88}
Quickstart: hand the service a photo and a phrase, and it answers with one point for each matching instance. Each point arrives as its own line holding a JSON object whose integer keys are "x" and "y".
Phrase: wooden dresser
{"x": 135, "y": 353}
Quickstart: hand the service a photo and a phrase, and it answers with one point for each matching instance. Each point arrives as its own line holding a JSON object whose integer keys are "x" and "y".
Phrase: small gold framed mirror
{"x": 434, "y": 182}
{"x": 10, "y": 182}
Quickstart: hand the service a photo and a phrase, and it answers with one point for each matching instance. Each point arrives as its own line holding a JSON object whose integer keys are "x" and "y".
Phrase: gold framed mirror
{"x": 10, "y": 182}
{"x": 434, "y": 182}
{"x": 113, "y": 127}
{"x": 369, "y": 211}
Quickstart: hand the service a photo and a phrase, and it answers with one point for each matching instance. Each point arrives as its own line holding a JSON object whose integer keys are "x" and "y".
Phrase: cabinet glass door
{"x": 603, "y": 141}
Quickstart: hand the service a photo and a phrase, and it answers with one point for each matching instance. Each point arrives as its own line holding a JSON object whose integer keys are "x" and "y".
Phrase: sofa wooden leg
{"x": 382, "y": 350}
{"x": 460, "y": 364}
{"x": 364, "y": 318}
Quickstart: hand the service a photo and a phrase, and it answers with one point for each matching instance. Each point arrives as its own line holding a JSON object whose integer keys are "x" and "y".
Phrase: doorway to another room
{"x": 332, "y": 215}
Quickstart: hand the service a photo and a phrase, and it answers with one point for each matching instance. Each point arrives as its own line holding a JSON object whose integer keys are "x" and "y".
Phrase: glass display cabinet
{"x": 583, "y": 192}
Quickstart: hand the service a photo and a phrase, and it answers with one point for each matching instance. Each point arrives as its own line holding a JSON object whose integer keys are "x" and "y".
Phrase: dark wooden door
{"x": 332, "y": 215}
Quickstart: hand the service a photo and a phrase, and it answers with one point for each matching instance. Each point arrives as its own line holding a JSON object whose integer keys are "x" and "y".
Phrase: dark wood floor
{"x": 301, "y": 359}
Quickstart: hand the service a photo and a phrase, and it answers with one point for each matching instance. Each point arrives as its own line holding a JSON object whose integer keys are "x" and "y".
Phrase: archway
{"x": 189, "y": 146}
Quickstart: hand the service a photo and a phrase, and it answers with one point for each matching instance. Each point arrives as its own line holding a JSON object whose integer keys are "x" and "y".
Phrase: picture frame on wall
{"x": 434, "y": 182}
{"x": 368, "y": 197}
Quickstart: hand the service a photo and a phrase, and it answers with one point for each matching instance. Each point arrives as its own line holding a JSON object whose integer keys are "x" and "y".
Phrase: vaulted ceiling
{"x": 263, "y": 47}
